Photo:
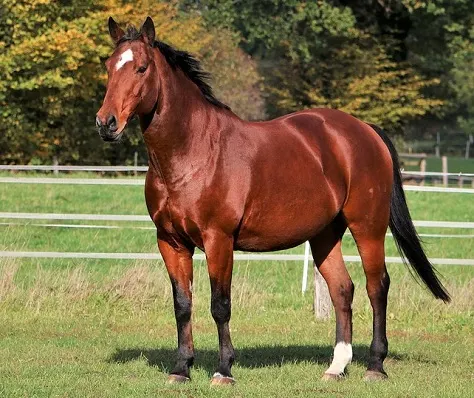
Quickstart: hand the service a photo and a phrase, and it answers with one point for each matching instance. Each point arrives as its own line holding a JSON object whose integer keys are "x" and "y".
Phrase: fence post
{"x": 438, "y": 144}
{"x": 423, "y": 170}
{"x": 469, "y": 141}
{"x": 322, "y": 300}
{"x": 304, "y": 282}
{"x": 55, "y": 163}
{"x": 444, "y": 162}
{"x": 135, "y": 162}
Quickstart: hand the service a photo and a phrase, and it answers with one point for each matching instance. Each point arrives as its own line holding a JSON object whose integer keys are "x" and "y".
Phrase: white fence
{"x": 133, "y": 217}
{"x": 199, "y": 256}
{"x": 248, "y": 257}
{"x": 141, "y": 181}
{"x": 145, "y": 168}
{"x": 140, "y": 169}
{"x": 74, "y": 168}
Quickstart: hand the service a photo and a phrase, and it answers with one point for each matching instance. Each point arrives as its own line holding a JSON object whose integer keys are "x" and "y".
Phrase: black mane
{"x": 182, "y": 60}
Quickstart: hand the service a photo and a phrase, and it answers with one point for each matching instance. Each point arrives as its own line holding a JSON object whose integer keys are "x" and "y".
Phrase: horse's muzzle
{"x": 107, "y": 128}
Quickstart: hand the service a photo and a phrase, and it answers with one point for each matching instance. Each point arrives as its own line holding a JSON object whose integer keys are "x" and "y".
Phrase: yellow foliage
{"x": 52, "y": 74}
{"x": 371, "y": 88}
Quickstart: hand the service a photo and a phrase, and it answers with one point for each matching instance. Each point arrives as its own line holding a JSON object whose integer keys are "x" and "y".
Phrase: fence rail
{"x": 145, "y": 168}
{"x": 132, "y": 217}
{"x": 74, "y": 168}
{"x": 200, "y": 256}
{"x": 72, "y": 181}
{"x": 436, "y": 174}
{"x": 95, "y": 226}
{"x": 140, "y": 181}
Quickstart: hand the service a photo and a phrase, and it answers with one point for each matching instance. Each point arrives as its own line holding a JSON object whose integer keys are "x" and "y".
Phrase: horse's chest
{"x": 172, "y": 216}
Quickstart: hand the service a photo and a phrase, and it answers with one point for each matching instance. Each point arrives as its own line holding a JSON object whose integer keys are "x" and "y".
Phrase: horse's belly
{"x": 269, "y": 244}
{"x": 272, "y": 228}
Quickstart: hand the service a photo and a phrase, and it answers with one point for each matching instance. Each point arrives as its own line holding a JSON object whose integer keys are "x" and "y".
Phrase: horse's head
{"x": 132, "y": 87}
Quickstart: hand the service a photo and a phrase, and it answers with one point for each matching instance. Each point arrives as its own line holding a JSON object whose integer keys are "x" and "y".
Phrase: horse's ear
{"x": 148, "y": 30}
{"x": 116, "y": 32}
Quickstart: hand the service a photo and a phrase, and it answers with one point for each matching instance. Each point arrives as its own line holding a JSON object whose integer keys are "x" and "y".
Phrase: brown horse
{"x": 221, "y": 184}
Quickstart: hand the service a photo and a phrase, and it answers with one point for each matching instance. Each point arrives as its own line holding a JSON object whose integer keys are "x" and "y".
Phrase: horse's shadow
{"x": 247, "y": 357}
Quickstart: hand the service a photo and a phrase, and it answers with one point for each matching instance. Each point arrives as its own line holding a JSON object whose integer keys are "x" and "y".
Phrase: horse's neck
{"x": 181, "y": 134}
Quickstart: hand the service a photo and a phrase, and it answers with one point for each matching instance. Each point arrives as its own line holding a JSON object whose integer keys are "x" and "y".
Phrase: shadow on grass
{"x": 247, "y": 357}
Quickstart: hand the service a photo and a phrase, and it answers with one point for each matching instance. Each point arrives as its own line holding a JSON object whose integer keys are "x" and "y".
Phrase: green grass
{"x": 90, "y": 328}
{"x": 455, "y": 165}
{"x": 81, "y": 331}
{"x": 107, "y": 199}
{"x": 433, "y": 163}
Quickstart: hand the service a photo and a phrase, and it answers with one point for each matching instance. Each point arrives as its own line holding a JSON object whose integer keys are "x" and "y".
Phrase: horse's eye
{"x": 142, "y": 69}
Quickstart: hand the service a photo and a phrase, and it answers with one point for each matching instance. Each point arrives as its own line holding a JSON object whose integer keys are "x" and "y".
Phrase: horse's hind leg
{"x": 327, "y": 254}
{"x": 368, "y": 227}
{"x": 378, "y": 282}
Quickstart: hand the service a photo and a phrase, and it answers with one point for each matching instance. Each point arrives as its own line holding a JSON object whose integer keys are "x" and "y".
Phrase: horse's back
{"x": 346, "y": 147}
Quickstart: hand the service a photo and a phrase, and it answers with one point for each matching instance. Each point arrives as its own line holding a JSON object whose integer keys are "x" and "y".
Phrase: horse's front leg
{"x": 219, "y": 254}
{"x": 179, "y": 263}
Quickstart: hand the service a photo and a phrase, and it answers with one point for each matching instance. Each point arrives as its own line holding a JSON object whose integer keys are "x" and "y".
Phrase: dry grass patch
{"x": 140, "y": 286}
{"x": 8, "y": 269}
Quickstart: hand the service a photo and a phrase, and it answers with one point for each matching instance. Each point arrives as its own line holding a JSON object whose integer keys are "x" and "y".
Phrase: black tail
{"x": 403, "y": 230}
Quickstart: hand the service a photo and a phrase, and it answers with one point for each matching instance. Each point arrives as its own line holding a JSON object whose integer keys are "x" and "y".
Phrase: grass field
{"x": 455, "y": 164}
{"x": 88, "y": 328}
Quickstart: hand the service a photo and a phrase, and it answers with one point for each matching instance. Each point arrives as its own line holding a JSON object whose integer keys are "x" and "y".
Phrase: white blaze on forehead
{"x": 125, "y": 57}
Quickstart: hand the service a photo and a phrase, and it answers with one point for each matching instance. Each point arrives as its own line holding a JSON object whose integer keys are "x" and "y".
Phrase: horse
{"x": 219, "y": 183}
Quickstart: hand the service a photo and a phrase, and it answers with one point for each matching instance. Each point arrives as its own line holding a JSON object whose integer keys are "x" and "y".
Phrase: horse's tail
{"x": 403, "y": 230}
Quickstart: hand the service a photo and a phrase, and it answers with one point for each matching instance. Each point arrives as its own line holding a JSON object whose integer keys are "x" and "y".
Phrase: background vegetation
{"x": 404, "y": 64}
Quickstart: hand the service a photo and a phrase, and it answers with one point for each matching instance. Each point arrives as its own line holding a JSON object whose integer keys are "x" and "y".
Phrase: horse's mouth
{"x": 114, "y": 134}
{"x": 111, "y": 135}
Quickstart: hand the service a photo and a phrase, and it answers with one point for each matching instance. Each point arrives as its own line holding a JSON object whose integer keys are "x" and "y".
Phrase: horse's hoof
{"x": 177, "y": 379}
{"x": 332, "y": 376}
{"x": 373, "y": 375}
{"x": 220, "y": 380}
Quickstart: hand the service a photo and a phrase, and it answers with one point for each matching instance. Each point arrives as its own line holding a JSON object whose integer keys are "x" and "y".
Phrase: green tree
{"x": 463, "y": 82}
{"x": 52, "y": 77}
{"x": 327, "y": 54}
{"x": 441, "y": 45}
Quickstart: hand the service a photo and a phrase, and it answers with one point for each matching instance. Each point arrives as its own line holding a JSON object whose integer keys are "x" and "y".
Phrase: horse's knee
{"x": 220, "y": 308}
{"x": 182, "y": 304}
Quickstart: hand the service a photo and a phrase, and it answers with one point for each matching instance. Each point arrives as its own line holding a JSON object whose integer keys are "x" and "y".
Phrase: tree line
{"x": 403, "y": 64}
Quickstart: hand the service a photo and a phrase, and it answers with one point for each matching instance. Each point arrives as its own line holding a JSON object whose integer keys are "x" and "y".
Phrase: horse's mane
{"x": 182, "y": 60}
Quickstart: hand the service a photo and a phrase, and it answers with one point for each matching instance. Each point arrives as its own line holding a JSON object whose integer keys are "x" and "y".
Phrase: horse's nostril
{"x": 98, "y": 123}
{"x": 111, "y": 122}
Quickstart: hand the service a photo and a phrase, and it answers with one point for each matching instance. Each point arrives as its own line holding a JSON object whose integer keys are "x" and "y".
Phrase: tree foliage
{"x": 404, "y": 64}
{"x": 328, "y": 54}
{"x": 53, "y": 78}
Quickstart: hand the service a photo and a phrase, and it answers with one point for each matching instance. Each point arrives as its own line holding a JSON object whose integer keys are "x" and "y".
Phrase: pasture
{"x": 105, "y": 328}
